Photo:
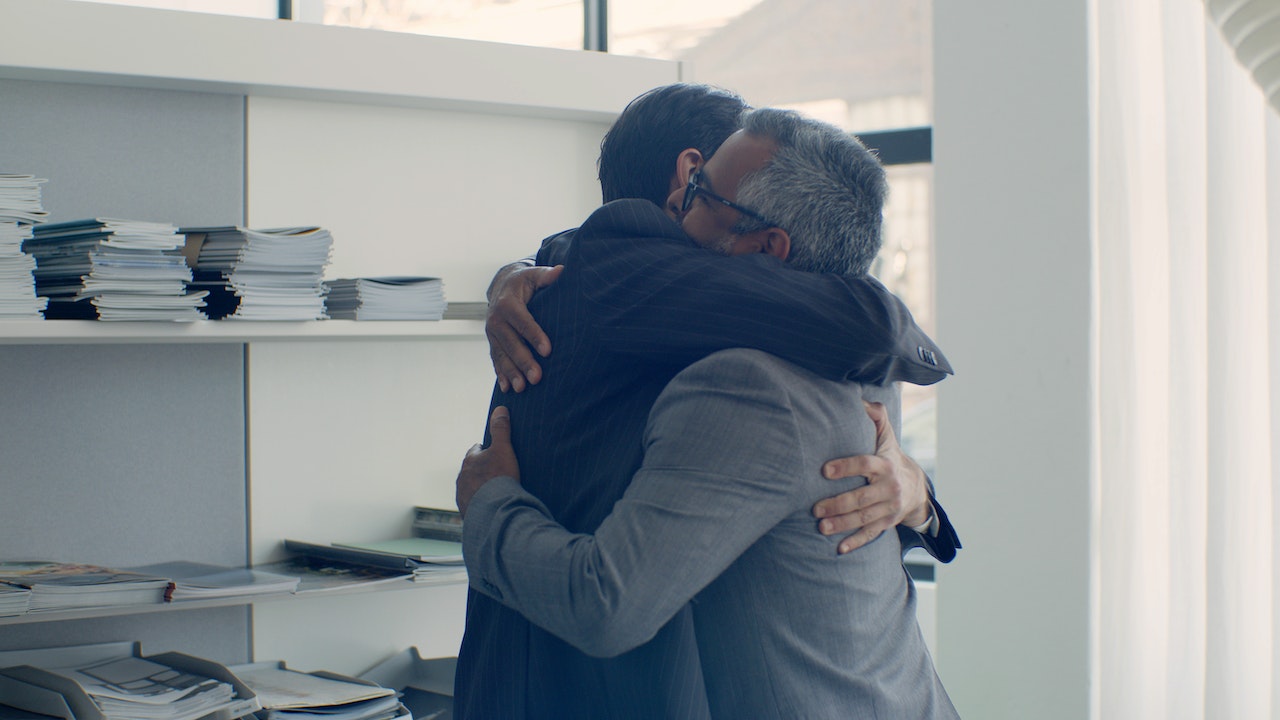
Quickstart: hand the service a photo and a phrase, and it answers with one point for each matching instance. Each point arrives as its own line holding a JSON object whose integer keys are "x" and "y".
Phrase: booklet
{"x": 421, "y": 549}
{"x": 199, "y": 581}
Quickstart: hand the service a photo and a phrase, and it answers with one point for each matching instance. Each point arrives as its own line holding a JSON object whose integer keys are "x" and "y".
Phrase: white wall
{"x": 1012, "y": 169}
{"x": 415, "y": 191}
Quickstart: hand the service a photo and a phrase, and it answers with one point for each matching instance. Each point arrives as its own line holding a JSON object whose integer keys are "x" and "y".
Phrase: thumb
{"x": 544, "y": 276}
{"x": 885, "y": 439}
{"x": 500, "y": 427}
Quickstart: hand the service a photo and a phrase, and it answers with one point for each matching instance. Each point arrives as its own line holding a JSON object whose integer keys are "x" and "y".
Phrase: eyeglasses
{"x": 695, "y": 187}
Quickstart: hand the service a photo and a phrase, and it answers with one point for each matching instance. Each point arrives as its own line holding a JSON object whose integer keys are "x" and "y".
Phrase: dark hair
{"x": 823, "y": 186}
{"x": 637, "y": 155}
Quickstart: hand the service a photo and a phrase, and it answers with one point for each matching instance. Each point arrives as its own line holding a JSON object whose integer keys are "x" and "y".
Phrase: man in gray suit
{"x": 719, "y": 513}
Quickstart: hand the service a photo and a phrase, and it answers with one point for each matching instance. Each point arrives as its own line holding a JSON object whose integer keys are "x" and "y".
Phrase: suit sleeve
{"x": 554, "y": 249}
{"x": 943, "y": 546}
{"x": 691, "y": 510}
{"x": 660, "y": 298}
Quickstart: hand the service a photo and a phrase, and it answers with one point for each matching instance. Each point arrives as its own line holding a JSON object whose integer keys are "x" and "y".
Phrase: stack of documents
{"x": 134, "y": 688}
{"x": 437, "y": 523}
{"x": 20, "y": 208}
{"x": 114, "y": 270}
{"x": 428, "y": 559}
{"x": 386, "y": 298}
{"x": 288, "y": 694}
{"x": 261, "y": 274}
{"x": 66, "y": 586}
{"x": 114, "y": 681}
{"x": 201, "y": 581}
{"x": 14, "y": 600}
{"x": 320, "y": 576}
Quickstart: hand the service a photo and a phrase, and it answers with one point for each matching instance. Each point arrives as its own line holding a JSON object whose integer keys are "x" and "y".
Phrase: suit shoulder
{"x": 750, "y": 376}
{"x": 742, "y": 364}
{"x": 628, "y": 217}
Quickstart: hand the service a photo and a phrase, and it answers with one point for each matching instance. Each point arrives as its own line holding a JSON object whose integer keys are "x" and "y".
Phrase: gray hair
{"x": 823, "y": 186}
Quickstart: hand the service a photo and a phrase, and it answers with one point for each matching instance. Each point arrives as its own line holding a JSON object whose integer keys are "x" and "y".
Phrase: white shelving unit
{"x": 189, "y": 605}
{"x": 76, "y": 332}
{"x": 124, "y": 443}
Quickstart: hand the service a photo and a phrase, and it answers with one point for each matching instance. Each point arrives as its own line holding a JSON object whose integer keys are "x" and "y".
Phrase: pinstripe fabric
{"x": 637, "y": 303}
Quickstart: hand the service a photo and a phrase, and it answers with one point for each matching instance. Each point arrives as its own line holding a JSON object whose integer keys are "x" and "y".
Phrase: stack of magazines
{"x": 386, "y": 298}
{"x": 202, "y": 581}
{"x": 427, "y": 560}
{"x": 14, "y": 600}
{"x": 114, "y": 270}
{"x": 261, "y": 274}
{"x": 66, "y": 586}
{"x": 20, "y": 208}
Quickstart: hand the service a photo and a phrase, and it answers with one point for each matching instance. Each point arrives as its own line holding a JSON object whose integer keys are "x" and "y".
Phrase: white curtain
{"x": 1187, "y": 348}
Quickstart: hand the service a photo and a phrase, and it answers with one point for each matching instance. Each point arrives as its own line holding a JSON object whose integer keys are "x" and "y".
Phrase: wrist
{"x": 926, "y": 523}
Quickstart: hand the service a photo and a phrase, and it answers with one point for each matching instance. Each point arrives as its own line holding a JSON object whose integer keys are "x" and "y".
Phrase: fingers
{"x": 847, "y": 467}
{"x": 866, "y": 512}
{"x": 509, "y": 326}
{"x": 849, "y": 511}
{"x": 862, "y": 537}
{"x": 869, "y": 510}
{"x": 885, "y": 439}
{"x": 501, "y": 337}
{"x": 513, "y": 363}
{"x": 528, "y": 331}
{"x": 500, "y": 427}
{"x": 533, "y": 279}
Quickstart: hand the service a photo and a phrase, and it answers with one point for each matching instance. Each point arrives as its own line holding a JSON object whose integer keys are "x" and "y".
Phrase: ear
{"x": 770, "y": 241}
{"x": 687, "y": 161}
{"x": 776, "y": 242}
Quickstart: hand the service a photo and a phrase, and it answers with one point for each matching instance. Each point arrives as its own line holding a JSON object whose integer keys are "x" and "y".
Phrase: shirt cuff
{"x": 929, "y": 527}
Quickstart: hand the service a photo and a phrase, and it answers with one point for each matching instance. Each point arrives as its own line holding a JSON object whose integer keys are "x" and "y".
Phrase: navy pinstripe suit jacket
{"x": 637, "y": 303}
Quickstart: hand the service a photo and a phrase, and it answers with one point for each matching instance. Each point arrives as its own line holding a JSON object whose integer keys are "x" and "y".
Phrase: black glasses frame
{"x": 695, "y": 187}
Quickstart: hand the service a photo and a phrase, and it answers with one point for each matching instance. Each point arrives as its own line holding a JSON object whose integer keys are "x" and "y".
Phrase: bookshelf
{"x": 125, "y": 444}
{"x": 76, "y": 332}
{"x": 195, "y": 605}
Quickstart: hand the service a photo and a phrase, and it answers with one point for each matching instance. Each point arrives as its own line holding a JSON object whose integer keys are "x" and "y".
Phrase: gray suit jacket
{"x": 720, "y": 510}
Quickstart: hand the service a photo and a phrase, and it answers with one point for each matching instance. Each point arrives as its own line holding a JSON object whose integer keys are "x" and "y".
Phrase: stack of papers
{"x": 271, "y": 274}
{"x": 290, "y": 695}
{"x": 133, "y": 688}
{"x": 201, "y": 581}
{"x": 320, "y": 576}
{"x": 419, "y": 549}
{"x": 20, "y": 208}
{"x": 14, "y": 600}
{"x": 430, "y": 561}
{"x": 114, "y": 270}
{"x": 437, "y": 523}
{"x": 66, "y": 586}
{"x": 386, "y": 298}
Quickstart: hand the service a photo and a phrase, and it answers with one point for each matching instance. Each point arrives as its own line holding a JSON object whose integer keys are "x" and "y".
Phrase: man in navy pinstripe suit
{"x": 636, "y": 303}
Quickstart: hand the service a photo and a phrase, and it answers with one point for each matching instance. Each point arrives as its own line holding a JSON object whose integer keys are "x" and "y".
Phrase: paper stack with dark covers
{"x": 274, "y": 274}
{"x": 113, "y": 269}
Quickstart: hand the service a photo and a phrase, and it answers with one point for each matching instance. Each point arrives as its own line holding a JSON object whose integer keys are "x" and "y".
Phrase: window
{"x": 246, "y": 8}
{"x": 545, "y": 23}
